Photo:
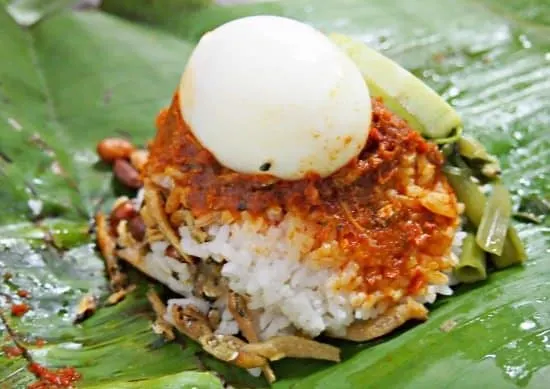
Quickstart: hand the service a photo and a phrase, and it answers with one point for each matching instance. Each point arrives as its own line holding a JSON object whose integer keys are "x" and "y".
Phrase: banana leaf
{"x": 69, "y": 78}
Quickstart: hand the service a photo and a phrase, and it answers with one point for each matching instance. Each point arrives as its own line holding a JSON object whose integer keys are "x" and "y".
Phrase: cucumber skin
{"x": 404, "y": 94}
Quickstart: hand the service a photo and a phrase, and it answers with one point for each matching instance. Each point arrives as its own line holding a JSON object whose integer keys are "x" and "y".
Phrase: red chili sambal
{"x": 374, "y": 207}
{"x": 53, "y": 379}
{"x": 19, "y": 309}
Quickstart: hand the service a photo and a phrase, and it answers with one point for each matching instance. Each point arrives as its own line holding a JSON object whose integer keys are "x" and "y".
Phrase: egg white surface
{"x": 267, "y": 94}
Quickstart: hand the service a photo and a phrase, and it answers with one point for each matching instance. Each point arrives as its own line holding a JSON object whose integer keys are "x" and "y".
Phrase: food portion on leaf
{"x": 289, "y": 193}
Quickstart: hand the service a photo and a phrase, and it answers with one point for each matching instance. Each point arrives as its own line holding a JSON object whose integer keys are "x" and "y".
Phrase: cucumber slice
{"x": 401, "y": 91}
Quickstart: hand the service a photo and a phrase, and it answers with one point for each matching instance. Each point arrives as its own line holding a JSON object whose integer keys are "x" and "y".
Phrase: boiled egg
{"x": 271, "y": 95}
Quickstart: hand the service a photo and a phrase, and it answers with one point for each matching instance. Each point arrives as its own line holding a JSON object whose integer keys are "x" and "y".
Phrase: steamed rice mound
{"x": 318, "y": 255}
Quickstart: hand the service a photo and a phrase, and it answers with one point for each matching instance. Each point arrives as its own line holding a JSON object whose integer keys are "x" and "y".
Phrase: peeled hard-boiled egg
{"x": 267, "y": 94}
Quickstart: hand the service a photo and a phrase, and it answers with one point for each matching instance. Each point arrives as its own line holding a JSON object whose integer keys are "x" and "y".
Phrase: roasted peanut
{"x": 123, "y": 211}
{"x": 127, "y": 174}
{"x": 138, "y": 159}
{"x": 137, "y": 228}
{"x": 111, "y": 149}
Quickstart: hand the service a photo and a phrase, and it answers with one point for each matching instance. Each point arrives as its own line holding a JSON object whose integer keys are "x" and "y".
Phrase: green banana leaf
{"x": 69, "y": 78}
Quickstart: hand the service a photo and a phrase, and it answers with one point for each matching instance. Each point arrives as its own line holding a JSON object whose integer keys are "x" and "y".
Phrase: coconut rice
{"x": 266, "y": 265}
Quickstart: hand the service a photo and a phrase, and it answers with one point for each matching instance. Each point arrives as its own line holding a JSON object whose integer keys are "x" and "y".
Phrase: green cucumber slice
{"x": 403, "y": 93}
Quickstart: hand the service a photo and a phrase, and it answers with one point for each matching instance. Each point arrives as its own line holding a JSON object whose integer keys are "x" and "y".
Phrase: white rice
{"x": 171, "y": 272}
{"x": 268, "y": 266}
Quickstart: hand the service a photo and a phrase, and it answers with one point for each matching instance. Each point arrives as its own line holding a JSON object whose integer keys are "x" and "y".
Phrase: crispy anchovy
{"x": 361, "y": 331}
{"x": 120, "y": 295}
{"x": 293, "y": 347}
{"x": 153, "y": 200}
{"x": 238, "y": 308}
{"x": 231, "y": 349}
{"x": 208, "y": 282}
{"x": 160, "y": 324}
{"x": 107, "y": 247}
{"x": 189, "y": 321}
{"x": 86, "y": 308}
